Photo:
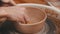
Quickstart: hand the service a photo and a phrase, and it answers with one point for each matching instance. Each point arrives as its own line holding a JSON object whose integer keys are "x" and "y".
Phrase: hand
{"x": 16, "y": 13}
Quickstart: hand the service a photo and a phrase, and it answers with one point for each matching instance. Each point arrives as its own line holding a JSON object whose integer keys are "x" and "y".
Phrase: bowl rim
{"x": 38, "y": 5}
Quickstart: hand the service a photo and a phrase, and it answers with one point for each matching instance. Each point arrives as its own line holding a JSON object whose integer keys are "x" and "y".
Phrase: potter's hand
{"x": 16, "y": 14}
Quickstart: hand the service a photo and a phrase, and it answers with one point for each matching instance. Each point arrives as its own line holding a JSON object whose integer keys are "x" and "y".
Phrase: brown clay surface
{"x": 30, "y": 1}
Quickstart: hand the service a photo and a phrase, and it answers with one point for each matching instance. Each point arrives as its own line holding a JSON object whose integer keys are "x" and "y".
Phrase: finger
{"x": 27, "y": 19}
{"x": 12, "y": 2}
{"x": 2, "y": 20}
{"x": 22, "y": 20}
{"x": 17, "y": 18}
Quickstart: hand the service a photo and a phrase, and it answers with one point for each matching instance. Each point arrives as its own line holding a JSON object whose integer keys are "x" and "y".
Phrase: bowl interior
{"x": 34, "y": 15}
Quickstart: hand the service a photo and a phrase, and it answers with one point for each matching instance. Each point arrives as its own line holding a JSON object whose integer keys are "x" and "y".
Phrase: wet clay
{"x": 30, "y": 1}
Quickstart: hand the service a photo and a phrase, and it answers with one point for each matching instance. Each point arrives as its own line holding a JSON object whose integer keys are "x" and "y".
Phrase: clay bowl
{"x": 52, "y": 13}
{"x": 38, "y": 18}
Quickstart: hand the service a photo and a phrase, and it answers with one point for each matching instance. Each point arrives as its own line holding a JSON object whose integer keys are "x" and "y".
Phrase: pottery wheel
{"x": 8, "y": 28}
